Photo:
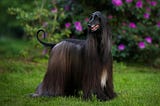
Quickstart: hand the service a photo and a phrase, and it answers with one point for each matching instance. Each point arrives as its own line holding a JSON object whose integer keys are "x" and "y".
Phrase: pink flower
{"x": 78, "y": 26}
{"x": 132, "y": 25}
{"x": 124, "y": 31}
{"x": 110, "y": 17}
{"x": 86, "y": 19}
{"x": 44, "y": 52}
{"x": 44, "y": 35}
{"x": 54, "y": 10}
{"x": 121, "y": 47}
{"x": 148, "y": 9}
{"x": 146, "y": 15}
{"x": 158, "y": 24}
{"x": 129, "y": 1}
{"x": 153, "y": 3}
{"x": 141, "y": 45}
{"x": 67, "y": 8}
{"x": 117, "y": 2}
{"x": 45, "y": 24}
{"x": 68, "y": 24}
{"x": 124, "y": 23}
{"x": 148, "y": 1}
{"x": 139, "y": 4}
{"x": 148, "y": 39}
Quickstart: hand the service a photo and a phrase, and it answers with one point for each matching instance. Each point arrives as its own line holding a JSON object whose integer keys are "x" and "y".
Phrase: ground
{"x": 20, "y": 73}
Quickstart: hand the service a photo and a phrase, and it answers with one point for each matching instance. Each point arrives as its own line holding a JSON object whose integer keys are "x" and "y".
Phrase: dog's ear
{"x": 106, "y": 36}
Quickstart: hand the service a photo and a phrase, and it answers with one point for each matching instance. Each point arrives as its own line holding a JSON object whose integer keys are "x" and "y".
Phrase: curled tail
{"x": 51, "y": 45}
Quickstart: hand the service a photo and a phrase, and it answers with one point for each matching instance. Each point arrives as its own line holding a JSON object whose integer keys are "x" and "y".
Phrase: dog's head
{"x": 100, "y": 30}
{"x": 95, "y": 21}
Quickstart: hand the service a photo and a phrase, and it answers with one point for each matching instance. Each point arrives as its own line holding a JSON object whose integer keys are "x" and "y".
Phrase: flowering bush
{"x": 135, "y": 24}
{"x": 38, "y": 15}
{"x": 136, "y": 29}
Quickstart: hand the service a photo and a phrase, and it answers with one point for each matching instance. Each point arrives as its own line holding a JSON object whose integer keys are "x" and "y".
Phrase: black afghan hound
{"x": 85, "y": 65}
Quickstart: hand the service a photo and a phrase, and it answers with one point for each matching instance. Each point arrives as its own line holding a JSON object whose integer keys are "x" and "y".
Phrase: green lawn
{"x": 19, "y": 76}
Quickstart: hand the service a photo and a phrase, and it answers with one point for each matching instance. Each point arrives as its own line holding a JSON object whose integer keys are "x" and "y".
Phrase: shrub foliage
{"x": 135, "y": 23}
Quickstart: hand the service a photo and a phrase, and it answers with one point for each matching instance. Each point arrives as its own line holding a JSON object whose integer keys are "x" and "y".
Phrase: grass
{"x": 19, "y": 76}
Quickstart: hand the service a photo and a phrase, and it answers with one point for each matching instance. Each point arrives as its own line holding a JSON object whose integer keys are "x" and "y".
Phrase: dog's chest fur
{"x": 103, "y": 78}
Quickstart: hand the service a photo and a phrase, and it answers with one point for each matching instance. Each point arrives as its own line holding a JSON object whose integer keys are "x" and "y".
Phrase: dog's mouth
{"x": 94, "y": 27}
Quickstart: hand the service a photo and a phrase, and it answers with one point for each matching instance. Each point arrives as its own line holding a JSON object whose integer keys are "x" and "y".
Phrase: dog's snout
{"x": 89, "y": 25}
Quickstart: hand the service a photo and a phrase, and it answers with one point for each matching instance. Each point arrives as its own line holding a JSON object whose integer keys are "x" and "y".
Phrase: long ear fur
{"x": 106, "y": 43}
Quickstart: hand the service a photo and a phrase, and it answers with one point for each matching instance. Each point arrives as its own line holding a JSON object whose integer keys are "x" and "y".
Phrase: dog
{"x": 81, "y": 65}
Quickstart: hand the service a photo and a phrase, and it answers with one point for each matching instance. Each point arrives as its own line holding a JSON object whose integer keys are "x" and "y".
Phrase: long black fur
{"x": 76, "y": 65}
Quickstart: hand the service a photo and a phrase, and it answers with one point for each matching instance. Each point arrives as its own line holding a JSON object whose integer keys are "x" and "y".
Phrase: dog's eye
{"x": 97, "y": 16}
{"x": 91, "y": 17}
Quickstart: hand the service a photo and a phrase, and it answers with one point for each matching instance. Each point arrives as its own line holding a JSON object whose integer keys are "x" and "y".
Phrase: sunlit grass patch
{"x": 134, "y": 85}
